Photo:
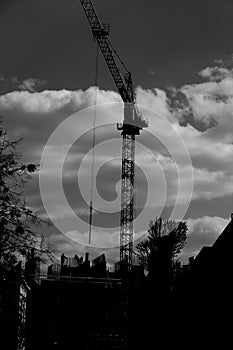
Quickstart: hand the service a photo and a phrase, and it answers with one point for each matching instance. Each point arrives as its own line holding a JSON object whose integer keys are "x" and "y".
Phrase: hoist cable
{"x": 93, "y": 141}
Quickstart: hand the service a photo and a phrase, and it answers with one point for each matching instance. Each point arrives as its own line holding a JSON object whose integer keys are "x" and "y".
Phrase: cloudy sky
{"x": 180, "y": 56}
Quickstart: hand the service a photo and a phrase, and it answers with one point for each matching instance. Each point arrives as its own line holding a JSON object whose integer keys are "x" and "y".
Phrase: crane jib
{"x": 101, "y": 35}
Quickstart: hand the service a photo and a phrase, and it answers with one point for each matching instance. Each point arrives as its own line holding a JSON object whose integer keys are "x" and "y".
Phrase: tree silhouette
{"x": 16, "y": 218}
{"x": 159, "y": 251}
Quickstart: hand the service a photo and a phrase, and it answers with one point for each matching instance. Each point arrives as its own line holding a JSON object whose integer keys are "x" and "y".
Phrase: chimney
{"x": 87, "y": 257}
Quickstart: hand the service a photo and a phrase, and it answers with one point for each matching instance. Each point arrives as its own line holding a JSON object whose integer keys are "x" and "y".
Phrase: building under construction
{"x": 79, "y": 304}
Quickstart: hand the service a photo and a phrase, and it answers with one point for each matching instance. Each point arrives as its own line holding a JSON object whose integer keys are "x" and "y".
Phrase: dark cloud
{"x": 52, "y": 40}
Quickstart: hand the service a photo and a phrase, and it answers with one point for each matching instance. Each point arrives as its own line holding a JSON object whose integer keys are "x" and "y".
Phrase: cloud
{"x": 155, "y": 99}
{"x": 31, "y": 84}
{"x": 44, "y": 110}
{"x": 202, "y": 232}
{"x": 49, "y": 101}
{"x": 211, "y": 184}
{"x": 216, "y": 73}
{"x": 69, "y": 247}
{"x": 210, "y": 103}
{"x": 207, "y": 135}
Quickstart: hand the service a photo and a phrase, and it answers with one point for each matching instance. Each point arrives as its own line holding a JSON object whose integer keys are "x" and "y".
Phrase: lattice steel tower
{"x": 132, "y": 123}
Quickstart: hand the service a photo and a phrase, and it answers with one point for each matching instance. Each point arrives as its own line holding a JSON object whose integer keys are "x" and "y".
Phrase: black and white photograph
{"x": 116, "y": 174}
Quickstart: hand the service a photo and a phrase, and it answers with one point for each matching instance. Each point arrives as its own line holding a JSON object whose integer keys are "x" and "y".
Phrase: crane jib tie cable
{"x": 93, "y": 142}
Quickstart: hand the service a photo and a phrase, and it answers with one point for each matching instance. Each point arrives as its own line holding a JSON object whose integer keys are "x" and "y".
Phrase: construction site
{"x": 79, "y": 303}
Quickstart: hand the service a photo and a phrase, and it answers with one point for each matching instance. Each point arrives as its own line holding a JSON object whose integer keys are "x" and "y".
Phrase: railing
{"x": 108, "y": 281}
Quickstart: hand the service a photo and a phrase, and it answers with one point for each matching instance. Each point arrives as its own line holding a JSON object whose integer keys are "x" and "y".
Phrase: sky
{"x": 180, "y": 56}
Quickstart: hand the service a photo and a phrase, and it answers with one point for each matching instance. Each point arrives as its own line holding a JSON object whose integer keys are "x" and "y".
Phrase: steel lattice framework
{"x": 100, "y": 33}
{"x": 131, "y": 126}
{"x": 127, "y": 199}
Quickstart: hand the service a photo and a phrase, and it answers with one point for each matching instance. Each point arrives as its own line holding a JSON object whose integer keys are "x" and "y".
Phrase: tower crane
{"x": 131, "y": 126}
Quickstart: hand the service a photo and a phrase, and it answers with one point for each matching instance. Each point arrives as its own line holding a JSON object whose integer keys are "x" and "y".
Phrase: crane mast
{"x": 132, "y": 123}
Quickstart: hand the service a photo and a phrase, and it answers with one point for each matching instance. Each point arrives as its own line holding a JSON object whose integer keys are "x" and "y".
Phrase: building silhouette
{"x": 80, "y": 304}
{"x": 203, "y": 298}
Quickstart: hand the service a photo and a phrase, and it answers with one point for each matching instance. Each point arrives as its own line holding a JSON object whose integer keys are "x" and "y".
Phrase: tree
{"x": 159, "y": 251}
{"x": 16, "y": 218}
